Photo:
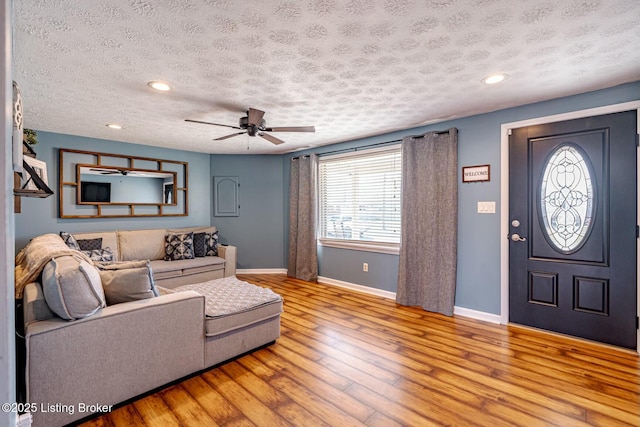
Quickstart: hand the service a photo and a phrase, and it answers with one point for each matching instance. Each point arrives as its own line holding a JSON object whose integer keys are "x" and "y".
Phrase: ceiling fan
{"x": 253, "y": 124}
{"x": 123, "y": 172}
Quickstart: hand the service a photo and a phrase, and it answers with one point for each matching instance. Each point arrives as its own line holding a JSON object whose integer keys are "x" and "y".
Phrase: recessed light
{"x": 114, "y": 126}
{"x": 495, "y": 78}
{"x": 158, "y": 85}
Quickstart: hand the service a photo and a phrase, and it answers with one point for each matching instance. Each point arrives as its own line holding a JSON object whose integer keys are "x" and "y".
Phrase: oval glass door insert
{"x": 567, "y": 198}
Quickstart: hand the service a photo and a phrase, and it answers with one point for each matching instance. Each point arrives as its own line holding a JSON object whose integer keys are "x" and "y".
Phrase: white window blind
{"x": 359, "y": 196}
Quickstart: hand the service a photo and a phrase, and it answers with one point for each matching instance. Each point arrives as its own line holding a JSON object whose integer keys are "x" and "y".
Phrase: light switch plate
{"x": 487, "y": 207}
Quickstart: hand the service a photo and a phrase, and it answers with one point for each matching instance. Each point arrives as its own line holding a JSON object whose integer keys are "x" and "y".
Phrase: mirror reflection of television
{"x": 95, "y": 192}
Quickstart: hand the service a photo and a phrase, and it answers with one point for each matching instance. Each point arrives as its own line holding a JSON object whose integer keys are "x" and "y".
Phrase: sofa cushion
{"x": 141, "y": 244}
{"x": 206, "y": 264}
{"x": 178, "y": 246}
{"x": 194, "y": 268}
{"x": 69, "y": 240}
{"x": 72, "y": 287}
{"x": 127, "y": 281}
{"x": 166, "y": 274}
{"x": 100, "y": 255}
{"x": 109, "y": 240}
{"x": 165, "y": 269}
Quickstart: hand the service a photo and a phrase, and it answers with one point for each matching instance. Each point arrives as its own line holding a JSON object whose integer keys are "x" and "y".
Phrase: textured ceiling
{"x": 352, "y": 68}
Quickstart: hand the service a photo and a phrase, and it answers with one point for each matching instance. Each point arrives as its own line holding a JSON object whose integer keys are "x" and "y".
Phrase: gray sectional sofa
{"x": 129, "y": 245}
{"x": 78, "y": 367}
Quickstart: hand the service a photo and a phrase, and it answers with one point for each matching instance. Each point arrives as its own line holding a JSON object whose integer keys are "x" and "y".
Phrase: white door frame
{"x": 504, "y": 192}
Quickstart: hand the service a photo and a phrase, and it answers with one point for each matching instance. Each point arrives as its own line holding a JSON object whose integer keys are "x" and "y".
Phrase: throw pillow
{"x": 205, "y": 244}
{"x": 72, "y": 287}
{"x": 178, "y": 246}
{"x": 199, "y": 245}
{"x": 69, "y": 240}
{"x": 212, "y": 243}
{"x": 100, "y": 255}
{"x": 90, "y": 244}
{"x": 127, "y": 281}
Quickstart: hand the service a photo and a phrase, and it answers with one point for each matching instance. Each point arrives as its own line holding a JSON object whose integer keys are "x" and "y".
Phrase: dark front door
{"x": 572, "y": 206}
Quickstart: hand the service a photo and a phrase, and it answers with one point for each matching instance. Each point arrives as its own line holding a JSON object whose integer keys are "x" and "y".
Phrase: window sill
{"x": 385, "y": 248}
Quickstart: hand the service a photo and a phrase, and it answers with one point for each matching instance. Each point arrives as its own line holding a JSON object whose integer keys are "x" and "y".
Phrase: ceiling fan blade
{"x": 104, "y": 171}
{"x": 209, "y": 123}
{"x": 272, "y": 139}
{"x": 228, "y": 136}
{"x": 255, "y": 116}
{"x": 292, "y": 129}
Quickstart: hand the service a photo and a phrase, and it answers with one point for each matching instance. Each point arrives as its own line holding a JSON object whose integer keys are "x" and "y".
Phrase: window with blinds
{"x": 359, "y": 198}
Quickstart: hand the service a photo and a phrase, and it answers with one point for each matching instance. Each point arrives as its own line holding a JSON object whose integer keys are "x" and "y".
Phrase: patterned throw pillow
{"x": 199, "y": 246}
{"x": 90, "y": 244}
{"x": 178, "y": 246}
{"x": 70, "y": 241}
{"x": 211, "y": 241}
{"x": 100, "y": 255}
{"x": 205, "y": 244}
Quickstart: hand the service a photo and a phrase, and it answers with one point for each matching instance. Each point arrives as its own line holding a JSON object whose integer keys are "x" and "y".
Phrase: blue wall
{"x": 259, "y": 230}
{"x": 40, "y": 216}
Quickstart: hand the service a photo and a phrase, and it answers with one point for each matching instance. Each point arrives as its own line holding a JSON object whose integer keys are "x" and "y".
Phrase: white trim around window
{"x": 385, "y": 248}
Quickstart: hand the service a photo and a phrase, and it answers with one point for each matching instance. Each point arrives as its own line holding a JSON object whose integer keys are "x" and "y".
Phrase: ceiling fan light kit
{"x": 253, "y": 124}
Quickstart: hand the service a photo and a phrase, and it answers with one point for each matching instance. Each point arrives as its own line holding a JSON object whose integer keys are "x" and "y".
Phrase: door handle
{"x": 516, "y": 238}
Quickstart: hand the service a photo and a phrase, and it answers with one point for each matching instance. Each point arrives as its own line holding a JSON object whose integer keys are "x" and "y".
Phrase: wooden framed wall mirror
{"x": 103, "y": 185}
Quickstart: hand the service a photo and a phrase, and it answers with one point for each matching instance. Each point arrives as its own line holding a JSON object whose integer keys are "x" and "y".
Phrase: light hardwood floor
{"x": 352, "y": 359}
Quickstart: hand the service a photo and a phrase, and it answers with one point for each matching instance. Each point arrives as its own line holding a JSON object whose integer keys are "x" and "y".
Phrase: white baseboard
{"x": 477, "y": 315}
{"x": 359, "y": 288}
{"x": 458, "y": 311}
{"x": 261, "y": 271}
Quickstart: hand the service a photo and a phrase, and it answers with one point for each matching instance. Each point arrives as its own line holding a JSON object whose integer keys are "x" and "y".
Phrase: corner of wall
{"x": 7, "y": 230}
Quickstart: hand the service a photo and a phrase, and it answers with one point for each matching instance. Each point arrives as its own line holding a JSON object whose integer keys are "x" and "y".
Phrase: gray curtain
{"x": 303, "y": 257}
{"x": 428, "y": 249}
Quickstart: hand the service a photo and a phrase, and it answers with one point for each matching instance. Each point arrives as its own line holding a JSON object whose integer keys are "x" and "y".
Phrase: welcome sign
{"x": 476, "y": 173}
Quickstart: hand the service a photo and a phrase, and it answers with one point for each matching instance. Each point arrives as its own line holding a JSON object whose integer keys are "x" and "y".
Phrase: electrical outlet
{"x": 365, "y": 266}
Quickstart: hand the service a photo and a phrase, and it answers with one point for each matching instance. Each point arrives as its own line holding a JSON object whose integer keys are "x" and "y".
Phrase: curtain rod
{"x": 395, "y": 141}
{"x": 344, "y": 150}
